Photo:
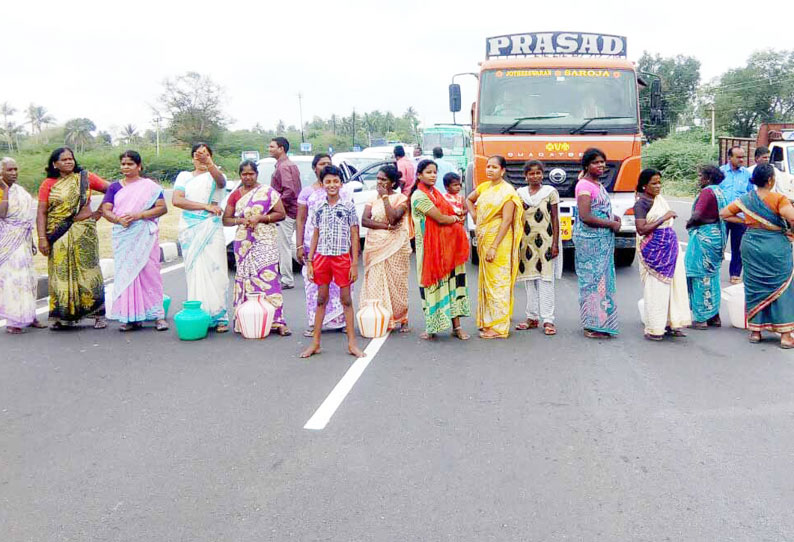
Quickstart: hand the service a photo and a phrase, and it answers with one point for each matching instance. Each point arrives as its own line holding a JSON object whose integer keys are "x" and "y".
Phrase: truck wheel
{"x": 624, "y": 257}
{"x": 475, "y": 257}
{"x": 569, "y": 259}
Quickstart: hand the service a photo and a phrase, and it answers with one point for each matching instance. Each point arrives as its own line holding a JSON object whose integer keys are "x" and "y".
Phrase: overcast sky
{"x": 107, "y": 60}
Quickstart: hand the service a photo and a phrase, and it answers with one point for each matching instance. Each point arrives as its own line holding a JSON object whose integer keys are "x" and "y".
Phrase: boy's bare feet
{"x": 313, "y": 349}
{"x": 355, "y": 351}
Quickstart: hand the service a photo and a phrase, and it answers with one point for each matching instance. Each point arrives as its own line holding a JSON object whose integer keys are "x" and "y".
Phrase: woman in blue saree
{"x": 594, "y": 238}
{"x": 767, "y": 257}
{"x": 704, "y": 253}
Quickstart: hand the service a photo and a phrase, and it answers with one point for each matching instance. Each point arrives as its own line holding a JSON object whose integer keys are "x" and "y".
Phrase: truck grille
{"x": 515, "y": 174}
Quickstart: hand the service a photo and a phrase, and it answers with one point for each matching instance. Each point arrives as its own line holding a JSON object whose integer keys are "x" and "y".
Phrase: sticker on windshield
{"x": 557, "y": 73}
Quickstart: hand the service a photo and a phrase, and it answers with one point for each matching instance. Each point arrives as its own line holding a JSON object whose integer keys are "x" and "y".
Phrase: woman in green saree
{"x": 68, "y": 237}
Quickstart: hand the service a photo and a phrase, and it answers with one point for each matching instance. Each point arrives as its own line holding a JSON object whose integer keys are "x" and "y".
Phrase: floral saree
{"x": 663, "y": 275}
{"x": 137, "y": 285}
{"x": 387, "y": 257}
{"x": 768, "y": 268}
{"x": 704, "y": 255}
{"x": 497, "y": 278}
{"x": 17, "y": 277}
{"x": 75, "y": 280}
{"x": 595, "y": 269}
{"x": 204, "y": 248}
{"x": 256, "y": 252}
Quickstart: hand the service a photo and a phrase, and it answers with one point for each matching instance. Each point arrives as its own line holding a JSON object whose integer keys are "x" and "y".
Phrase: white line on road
{"x": 46, "y": 308}
{"x": 322, "y": 416}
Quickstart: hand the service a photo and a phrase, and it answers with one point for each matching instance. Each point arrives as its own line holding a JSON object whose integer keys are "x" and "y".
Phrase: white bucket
{"x": 733, "y": 299}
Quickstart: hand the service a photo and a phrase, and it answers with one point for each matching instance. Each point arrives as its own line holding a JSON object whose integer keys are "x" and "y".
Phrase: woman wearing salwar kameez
{"x": 767, "y": 257}
{"x": 387, "y": 252}
{"x": 68, "y": 237}
{"x": 133, "y": 205}
{"x": 255, "y": 209}
{"x": 17, "y": 276}
{"x": 594, "y": 239}
{"x": 198, "y": 193}
{"x": 442, "y": 248}
{"x": 705, "y": 250}
{"x": 497, "y": 210}
{"x": 666, "y": 306}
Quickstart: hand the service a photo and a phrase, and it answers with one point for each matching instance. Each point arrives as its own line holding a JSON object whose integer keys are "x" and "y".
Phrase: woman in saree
{"x": 255, "y": 209}
{"x": 68, "y": 237}
{"x": 387, "y": 252}
{"x": 661, "y": 265}
{"x": 705, "y": 251}
{"x": 496, "y": 210}
{"x": 133, "y": 205}
{"x": 309, "y": 200}
{"x": 197, "y": 193}
{"x": 442, "y": 248}
{"x": 17, "y": 276}
{"x": 767, "y": 256}
{"x": 594, "y": 238}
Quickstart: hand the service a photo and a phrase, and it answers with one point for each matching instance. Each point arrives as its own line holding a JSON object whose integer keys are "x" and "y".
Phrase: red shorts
{"x": 328, "y": 268}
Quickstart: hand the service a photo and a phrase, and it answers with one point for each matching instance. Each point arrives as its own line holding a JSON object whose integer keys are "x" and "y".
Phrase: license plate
{"x": 566, "y": 228}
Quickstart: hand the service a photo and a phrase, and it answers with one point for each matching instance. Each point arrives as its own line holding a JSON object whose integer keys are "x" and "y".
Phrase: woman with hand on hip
{"x": 197, "y": 193}
{"x": 68, "y": 237}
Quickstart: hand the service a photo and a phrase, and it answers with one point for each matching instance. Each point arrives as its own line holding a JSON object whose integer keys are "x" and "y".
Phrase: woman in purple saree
{"x": 133, "y": 205}
{"x": 255, "y": 209}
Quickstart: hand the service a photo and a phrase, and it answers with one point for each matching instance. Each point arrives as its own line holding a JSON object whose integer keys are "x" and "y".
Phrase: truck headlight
{"x": 627, "y": 222}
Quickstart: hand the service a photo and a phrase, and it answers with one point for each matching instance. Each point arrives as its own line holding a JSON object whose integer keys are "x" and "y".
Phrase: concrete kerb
{"x": 168, "y": 253}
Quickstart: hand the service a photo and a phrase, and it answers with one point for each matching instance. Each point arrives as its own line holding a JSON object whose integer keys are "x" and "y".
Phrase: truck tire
{"x": 624, "y": 257}
{"x": 474, "y": 256}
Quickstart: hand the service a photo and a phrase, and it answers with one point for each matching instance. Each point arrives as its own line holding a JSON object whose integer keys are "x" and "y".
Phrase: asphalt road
{"x": 107, "y": 436}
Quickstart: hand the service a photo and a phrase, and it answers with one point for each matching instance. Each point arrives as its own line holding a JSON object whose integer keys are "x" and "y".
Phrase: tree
{"x": 193, "y": 102}
{"x": 679, "y": 76}
{"x": 761, "y": 91}
{"x": 129, "y": 133}
{"x": 78, "y": 132}
{"x": 8, "y": 128}
{"x": 38, "y": 117}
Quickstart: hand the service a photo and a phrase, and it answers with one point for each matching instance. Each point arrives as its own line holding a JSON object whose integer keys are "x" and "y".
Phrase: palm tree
{"x": 129, "y": 133}
{"x": 77, "y": 132}
{"x": 9, "y": 128}
{"x": 38, "y": 116}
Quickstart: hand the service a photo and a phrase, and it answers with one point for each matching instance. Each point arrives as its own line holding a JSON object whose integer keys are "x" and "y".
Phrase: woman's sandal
{"x": 458, "y": 333}
{"x": 13, "y": 330}
{"x": 670, "y": 332}
{"x": 549, "y": 329}
{"x": 161, "y": 325}
{"x": 651, "y": 337}
{"x": 699, "y": 325}
{"x": 590, "y": 334}
{"x": 283, "y": 331}
{"x": 222, "y": 328}
{"x": 57, "y": 325}
{"x": 755, "y": 339}
{"x": 100, "y": 323}
{"x": 492, "y": 335}
{"x": 786, "y": 345}
{"x": 427, "y": 336}
{"x": 529, "y": 324}
{"x": 130, "y": 326}
{"x": 38, "y": 324}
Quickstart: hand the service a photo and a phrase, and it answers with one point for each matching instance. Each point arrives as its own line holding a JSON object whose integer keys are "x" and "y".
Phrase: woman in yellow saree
{"x": 496, "y": 210}
{"x": 68, "y": 237}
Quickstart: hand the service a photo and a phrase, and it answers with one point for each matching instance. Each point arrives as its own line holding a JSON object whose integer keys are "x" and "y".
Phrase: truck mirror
{"x": 454, "y": 97}
{"x": 656, "y": 94}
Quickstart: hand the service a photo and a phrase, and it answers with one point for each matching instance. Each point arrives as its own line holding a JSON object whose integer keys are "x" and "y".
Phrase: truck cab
{"x": 454, "y": 140}
{"x": 549, "y": 96}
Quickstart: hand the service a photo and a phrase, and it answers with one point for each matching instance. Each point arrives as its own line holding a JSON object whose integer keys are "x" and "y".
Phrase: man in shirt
{"x": 406, "y": 167}
{"x": 736, "y": 184}
{"x": 286, "y": 181}
{"x": 443, "y": 167}
{"x": 761, "y": 157}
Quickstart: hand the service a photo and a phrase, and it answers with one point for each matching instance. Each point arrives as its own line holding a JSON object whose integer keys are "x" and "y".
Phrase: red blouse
{"x": 95, "y": 182}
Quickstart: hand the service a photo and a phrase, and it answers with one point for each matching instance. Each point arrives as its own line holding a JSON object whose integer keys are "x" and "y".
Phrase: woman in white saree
{"x": 198, "y": 193}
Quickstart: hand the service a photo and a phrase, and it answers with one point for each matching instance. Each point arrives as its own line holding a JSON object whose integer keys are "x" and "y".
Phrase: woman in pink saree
{"x": 133, "y": 205}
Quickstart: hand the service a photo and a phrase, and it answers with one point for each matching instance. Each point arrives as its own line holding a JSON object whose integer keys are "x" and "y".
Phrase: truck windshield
{"x": 791, "y": 160}
{"x": 451, "y": 142}
{"x": 558, "y": 101}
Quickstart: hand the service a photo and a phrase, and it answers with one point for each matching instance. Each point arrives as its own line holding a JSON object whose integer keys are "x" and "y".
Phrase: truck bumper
{"x": 621, "y": 241}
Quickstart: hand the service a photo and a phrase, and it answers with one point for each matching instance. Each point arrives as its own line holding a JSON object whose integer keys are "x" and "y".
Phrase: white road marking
{"x": 46, "y": 308}
{"x": 323, "y": 414}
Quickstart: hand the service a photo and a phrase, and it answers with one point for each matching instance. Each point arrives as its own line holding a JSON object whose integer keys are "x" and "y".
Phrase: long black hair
{"x": 52, "y": 171}
{"x": 645, "y": 177}
{"x": 420, "y": 168}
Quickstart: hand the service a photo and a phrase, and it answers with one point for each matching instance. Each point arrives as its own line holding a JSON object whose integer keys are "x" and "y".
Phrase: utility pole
{"x": 157, "y": 120}
{"x": 713, "y": 122}
{"x": 300, "y": 108}
{"x": 354, "y": 127}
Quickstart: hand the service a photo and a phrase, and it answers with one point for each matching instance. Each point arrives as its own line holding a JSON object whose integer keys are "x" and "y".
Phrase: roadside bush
{"x": 678, "y": 158}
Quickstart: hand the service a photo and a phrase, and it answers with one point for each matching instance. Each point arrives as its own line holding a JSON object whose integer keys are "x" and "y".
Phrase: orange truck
{"x": 549, "y": 96}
